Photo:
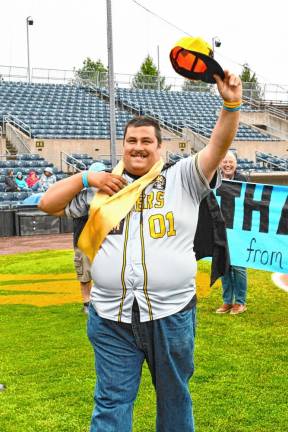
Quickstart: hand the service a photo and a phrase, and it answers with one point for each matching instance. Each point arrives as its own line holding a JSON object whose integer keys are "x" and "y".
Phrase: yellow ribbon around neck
{"x": 107, "y": 211}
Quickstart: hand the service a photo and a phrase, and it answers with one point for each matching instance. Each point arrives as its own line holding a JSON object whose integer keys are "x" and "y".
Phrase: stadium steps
{"x": 11, "y": 149}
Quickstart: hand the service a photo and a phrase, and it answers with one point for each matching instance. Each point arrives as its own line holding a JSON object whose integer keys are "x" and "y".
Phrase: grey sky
{"x": 65, "y": 32}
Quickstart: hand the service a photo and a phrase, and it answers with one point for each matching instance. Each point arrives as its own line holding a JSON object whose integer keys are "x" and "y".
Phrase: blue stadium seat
{"x": 6, "y": 196}
{"x": 20, "y": 196}
{"x": 68, "y": 111}
{"x": 49, "y": 109}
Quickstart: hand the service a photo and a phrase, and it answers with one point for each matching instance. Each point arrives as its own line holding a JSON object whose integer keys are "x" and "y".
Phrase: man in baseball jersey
{"x": 139, "y": 239}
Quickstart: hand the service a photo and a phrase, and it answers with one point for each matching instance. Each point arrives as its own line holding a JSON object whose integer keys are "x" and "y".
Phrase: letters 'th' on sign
{"x": 39, "y": 144}
{"x": 256, "y": 218}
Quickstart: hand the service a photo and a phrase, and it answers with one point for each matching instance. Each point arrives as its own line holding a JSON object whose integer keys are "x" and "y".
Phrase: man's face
{"x": 47, "y": 173}
{"x": 228, "y": 166}
{"x": 141, "y": 149}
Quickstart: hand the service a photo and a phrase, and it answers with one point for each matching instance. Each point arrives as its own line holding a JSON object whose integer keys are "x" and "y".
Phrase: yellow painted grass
{"x": 51, "y": 289}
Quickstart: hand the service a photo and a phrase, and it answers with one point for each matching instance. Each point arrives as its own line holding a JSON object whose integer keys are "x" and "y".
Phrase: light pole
{"x": 158, "y": 68}
{"x": 29, "y": 22}
{"x": 215, "y": 43}
{"x": 111, "y": 85}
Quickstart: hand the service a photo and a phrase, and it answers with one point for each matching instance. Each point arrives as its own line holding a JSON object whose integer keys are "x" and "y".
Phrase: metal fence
{"x": 259, "y": 91}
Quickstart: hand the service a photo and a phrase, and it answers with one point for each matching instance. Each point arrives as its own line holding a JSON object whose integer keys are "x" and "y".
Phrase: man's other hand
{"x": 106, "y": 182}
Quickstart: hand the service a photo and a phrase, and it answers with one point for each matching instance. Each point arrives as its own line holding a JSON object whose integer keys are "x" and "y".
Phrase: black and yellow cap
{"x": 192, "y": 57}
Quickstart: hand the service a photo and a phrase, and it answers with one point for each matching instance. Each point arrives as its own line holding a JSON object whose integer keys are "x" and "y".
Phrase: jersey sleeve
{"x": 194, "y": 180}
{"x": 79, "y": 206}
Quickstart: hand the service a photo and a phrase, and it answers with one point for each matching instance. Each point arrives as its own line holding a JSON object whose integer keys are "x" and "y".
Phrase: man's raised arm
{"x": 226, "y": 127}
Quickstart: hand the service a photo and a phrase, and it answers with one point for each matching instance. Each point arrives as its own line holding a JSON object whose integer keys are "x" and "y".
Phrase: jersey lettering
{"x": 151, "y": 200}
{"x": 158, "y": 225}
{"x": 118, "y": 229}
{"x": 159, "y": 200}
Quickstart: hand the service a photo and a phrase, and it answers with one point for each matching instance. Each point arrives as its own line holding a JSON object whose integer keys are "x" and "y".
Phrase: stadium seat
{"x": 66, "y": 111}
{"x": 50, "y": 109}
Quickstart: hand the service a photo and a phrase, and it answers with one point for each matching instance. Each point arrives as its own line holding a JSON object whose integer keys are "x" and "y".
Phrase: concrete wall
{"x": 254, "y": 117}
{"x": 52, "y": 149}
{"x": 195, "y": 142}
{"x": 247, "y": 149}
{"x": 2, "y": 146}
{"x": 275, "y": 126}
{"x": 12, "y": 135}
{"x": 98, "y": 149}
{"x": 276, "y": 178}
{"x": 279, "y": 125}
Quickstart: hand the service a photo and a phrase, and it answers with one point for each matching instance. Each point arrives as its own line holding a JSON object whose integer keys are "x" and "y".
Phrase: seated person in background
{"x": 11, "y": 185}
{"x": 46, "y": 180}
{"x": 32, "y": 179}
{"x": 20, "y": 181}
{"x": 234, "y": 283}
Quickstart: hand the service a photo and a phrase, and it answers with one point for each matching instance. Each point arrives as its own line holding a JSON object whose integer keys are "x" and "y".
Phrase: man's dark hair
{"x": 145, "y": 121}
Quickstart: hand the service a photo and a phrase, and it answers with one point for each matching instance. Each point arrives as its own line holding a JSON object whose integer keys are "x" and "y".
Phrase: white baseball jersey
{"x": 149, "y": 255}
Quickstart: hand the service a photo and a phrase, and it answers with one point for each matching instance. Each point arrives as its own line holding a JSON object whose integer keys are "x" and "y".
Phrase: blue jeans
{"x": 120, "y": 349}
{"x": 234, "y": 285}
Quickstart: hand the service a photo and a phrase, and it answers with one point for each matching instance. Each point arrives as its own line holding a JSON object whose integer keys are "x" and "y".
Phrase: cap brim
{"x": 210, "y": 66}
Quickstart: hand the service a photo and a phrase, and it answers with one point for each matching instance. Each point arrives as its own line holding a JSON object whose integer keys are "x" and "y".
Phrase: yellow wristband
{"x": 235, "y": 104}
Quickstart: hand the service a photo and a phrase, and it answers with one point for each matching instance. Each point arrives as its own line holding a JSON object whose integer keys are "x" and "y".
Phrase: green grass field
{"x": 240, "y": 383}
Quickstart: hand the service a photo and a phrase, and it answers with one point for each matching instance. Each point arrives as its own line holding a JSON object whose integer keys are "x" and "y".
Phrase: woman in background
{"x": 20, "y": 181}
{"x": 32, "y": 179}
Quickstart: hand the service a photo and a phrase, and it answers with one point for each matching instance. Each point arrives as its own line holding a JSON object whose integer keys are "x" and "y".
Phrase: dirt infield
{"x": 18, "y": 244}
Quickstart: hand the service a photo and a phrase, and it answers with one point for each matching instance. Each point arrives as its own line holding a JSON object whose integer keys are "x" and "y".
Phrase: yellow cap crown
{"x": 196, "y": 44}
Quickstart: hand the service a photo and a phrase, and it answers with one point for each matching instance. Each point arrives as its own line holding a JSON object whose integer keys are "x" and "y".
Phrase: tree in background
{"x": 192, "y": 85}
{"x": 93, "y": 71}
{"x": 148, "y": 77}
{"x": 251, "y": 87}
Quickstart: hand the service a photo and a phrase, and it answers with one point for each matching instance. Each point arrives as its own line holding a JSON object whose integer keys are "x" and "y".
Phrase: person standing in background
{"x": 234, "y": 283}
{"x": 81, "y": 262}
